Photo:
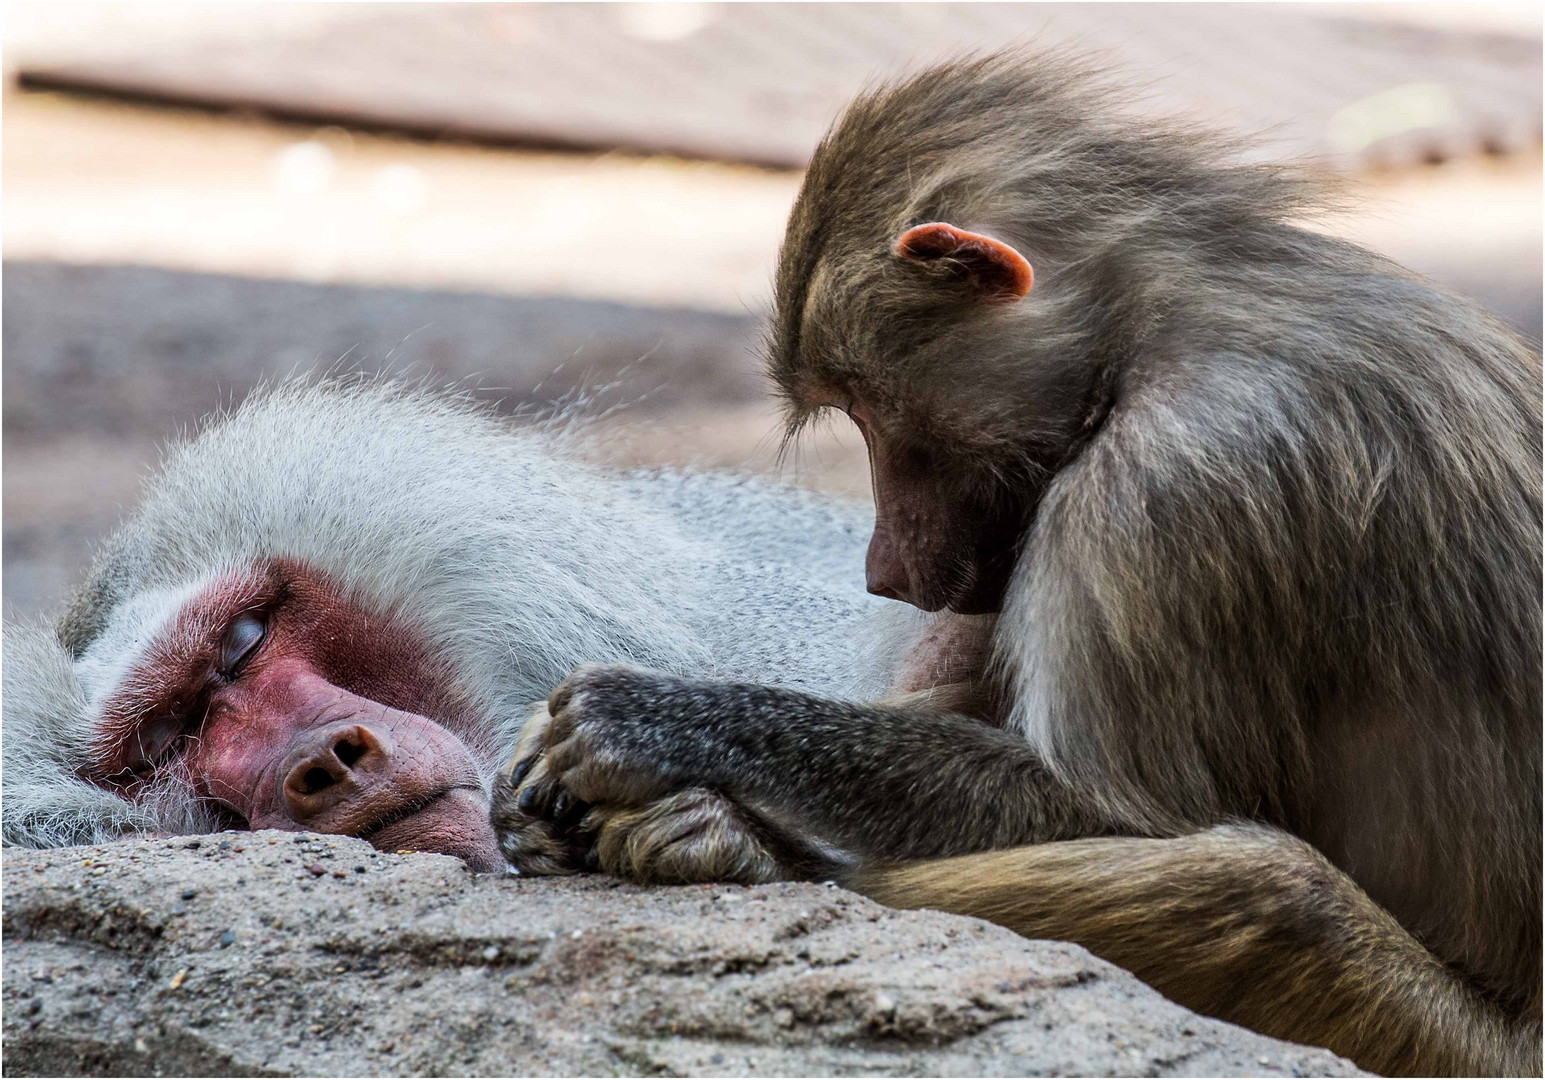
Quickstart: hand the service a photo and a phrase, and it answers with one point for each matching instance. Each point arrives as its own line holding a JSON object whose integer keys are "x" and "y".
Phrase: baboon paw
{"x": 538, "y": 825}
{"x": 691, "y": 836}
{"x": 607, "y": 723}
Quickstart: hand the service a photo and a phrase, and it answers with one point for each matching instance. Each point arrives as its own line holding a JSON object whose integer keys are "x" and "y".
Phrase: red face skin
{"x": 291, "y": 708}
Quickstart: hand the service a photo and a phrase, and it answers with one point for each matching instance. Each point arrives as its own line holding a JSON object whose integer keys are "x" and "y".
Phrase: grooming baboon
{"x": 335, "y": 608}
{"x": 1260, "y": 513}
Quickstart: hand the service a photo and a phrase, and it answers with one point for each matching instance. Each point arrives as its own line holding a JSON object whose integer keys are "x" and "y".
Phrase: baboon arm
{"x": 897, "y": 781}
{"x": 1244, "y": 923}
{"x": 904, "y": 781}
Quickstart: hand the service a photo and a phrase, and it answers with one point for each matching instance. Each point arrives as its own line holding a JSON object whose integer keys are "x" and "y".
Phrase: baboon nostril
{"x": 315, "y": 779}
{"x": 348, "y": 752}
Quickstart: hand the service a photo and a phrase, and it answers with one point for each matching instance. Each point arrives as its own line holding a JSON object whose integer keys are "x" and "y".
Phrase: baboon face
{"x": 270, "y": 695}
{"x": 892, "y": 338}
{"x": 942, "y": 537}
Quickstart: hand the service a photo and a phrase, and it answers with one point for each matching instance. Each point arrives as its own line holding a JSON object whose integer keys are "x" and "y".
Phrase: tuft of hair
{"x": 48, "y": 728}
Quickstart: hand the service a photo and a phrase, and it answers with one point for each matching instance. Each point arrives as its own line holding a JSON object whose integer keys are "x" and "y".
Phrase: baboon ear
{"x": 1003, "y": 274}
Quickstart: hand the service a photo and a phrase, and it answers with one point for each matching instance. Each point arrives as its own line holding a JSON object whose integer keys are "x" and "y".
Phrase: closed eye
{"x": 241, "y": 642}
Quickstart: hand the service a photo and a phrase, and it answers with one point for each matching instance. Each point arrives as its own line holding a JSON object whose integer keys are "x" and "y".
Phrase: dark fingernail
{"x": 518, "y": 773}
{"x": 562, "y": 803}
{"x": 572, "y": 814}
{"x": 527, "y": 800}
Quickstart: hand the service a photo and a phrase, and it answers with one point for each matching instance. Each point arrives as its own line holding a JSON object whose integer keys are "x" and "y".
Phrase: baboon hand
{"x": 612, "y": 737}
{"x": 541, "y": 830}
{"x": 612, "y": 775}
{"x": 690, "y": 836}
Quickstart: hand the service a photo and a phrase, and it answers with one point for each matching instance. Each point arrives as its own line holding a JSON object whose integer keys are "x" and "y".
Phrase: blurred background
{"x": 540, "y": 201}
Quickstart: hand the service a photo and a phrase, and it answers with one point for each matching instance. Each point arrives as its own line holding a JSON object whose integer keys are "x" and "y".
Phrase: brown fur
{"x": 1260, "y": 517}
{"x": 1242, "y": 923}
{"x": 1264, "y": 481}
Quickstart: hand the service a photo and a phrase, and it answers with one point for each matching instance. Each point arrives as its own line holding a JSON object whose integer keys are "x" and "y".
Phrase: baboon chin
{"x": 1259, "y": 514}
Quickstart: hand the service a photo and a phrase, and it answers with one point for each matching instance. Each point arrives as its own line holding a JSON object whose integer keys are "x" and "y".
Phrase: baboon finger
{"x": 537, "y": 799}
{"x": 564, "y": 691}
{"x": 569, "y": 812}
{"x": 519, "y": 770}
{"x": 564, "y": 758}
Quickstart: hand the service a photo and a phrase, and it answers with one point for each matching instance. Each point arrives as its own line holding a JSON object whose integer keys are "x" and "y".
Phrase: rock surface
{"x": 281, "y": 954}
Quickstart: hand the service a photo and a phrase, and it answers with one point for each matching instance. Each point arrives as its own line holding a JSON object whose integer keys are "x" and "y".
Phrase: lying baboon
{"x": 1259, "y": 513}
{"x": 334, "y": 609}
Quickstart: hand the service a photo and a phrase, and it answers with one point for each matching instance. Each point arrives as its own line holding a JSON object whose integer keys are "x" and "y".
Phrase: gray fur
{"x": 515, "y": 561}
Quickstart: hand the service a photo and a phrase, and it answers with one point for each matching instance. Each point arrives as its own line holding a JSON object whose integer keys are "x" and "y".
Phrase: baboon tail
{"x": 1244, "y": 923}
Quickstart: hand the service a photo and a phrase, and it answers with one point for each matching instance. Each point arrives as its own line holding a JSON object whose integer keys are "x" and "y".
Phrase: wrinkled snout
{"x": 396, "y": 778}
{"x": 332, "y": 770}
{"x": 302, "y": 753}
{"x": 352, "y": 775}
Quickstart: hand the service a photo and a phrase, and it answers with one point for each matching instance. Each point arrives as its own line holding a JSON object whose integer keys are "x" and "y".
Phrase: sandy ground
{"x": 98, "y": 181}
{"x": 103, "y": 182}
{"x": 530, "y": 263}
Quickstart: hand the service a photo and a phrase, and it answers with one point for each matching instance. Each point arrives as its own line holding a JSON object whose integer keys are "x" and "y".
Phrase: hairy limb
{"x": 699, "y": 835}
{"x": 693, "y": 835}
{"x": 881, "y": 780}
{"x": 1244, "y": 923}
{"x": 690, "y": 836}
{"x": 687, "y": 837}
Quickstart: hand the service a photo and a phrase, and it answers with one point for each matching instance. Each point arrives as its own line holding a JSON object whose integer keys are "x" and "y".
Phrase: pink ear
{"x": 1004, "y": 274}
